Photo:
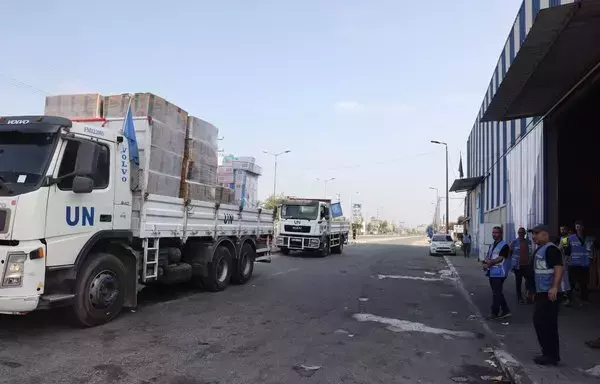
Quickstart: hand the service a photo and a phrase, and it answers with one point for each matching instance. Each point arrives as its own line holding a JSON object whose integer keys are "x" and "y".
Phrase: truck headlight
{"x": 314, "y": 243}
{"x": 15, "y": 267}
{"x": 279, "y": 240}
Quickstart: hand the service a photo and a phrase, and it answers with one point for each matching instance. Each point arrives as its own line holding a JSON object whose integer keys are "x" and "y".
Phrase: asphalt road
{"x": 379, "y": 313}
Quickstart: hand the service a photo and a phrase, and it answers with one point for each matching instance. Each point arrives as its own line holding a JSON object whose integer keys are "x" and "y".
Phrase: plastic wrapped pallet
{"x": 202, "y": 151}
{"x": 199, "y": 191}
{"x": 224, "y": 195}
{"x": 88, "y": 105}
{"x": 146, "y": 104}
{"x": 162, "y": 156}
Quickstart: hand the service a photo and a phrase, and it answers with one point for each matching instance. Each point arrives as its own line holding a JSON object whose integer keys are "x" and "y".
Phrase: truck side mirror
{"x": 82, "y": 184}
{"x": 87, "y": 158}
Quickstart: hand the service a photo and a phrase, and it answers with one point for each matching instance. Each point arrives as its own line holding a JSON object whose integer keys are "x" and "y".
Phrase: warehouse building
{"x": 531, "y": 155}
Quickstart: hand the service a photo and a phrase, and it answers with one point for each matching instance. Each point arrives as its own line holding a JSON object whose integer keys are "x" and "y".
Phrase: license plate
{"x": 296, "y": 242}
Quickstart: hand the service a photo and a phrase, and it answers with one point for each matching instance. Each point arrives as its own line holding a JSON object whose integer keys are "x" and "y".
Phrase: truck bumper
{"x": 23, "y": 297}
{"x": 18, "y": 305}
{"x": 298, "y": 243}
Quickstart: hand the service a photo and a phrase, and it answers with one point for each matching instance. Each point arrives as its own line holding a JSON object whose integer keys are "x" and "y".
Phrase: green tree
{"x": 273, "y": 201}
{"x": 385, "y": 227}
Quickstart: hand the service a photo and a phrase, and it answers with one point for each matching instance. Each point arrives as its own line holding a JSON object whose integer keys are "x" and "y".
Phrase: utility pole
{"x": 275, "y": 155}
{"x": 326, "y": 181}
{"x": 447, "y": 192}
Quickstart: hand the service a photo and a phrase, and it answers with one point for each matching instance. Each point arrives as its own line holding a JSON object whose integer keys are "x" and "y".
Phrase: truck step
{"x": 54, "y": 297}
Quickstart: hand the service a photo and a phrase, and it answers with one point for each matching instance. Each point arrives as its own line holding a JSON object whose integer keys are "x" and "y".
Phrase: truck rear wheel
{"x": 219, "y": 270}
{"x": 99, "y": 290}
{"x": 245, "y": 265}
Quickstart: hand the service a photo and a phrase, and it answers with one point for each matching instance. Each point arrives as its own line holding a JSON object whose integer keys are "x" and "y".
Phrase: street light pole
{"x": 275, "y": 155}
{"x": 326, "y": 181}
{"x": 447, "y": 192}
{"x": 437, "y": 207}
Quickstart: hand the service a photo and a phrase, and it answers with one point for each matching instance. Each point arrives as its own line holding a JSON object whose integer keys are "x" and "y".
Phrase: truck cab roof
{"x": 33, "y": 124}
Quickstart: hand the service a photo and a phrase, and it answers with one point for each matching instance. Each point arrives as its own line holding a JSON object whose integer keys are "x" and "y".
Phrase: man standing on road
{"x": 521, "y": 250}
{"x": 548, "y": 270}
{"x": 497, "y": 264}
{"x": 466, "y": 243}
{"x": 578, "y": 250}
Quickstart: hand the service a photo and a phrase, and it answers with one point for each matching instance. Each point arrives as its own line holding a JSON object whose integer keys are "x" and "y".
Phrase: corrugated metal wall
{"x": 526, "y": 190}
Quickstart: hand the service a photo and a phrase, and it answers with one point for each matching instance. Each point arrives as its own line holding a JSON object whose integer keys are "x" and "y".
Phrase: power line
{"x": 21, "y": 84}
{"x": 393, "y": 160}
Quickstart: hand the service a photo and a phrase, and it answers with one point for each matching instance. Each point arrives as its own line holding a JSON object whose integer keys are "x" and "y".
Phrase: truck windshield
{"x": 24, "y": 158}
{"x": 302, "y": 212}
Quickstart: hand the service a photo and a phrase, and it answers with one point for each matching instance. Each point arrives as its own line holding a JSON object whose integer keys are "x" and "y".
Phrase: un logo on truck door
{"x": 227, "y": 218}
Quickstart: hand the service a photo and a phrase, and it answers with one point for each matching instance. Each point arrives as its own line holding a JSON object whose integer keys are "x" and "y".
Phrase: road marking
{"x": 381, "y": 277}
{"x": 396, "y": 325}
{"x": 363, "y": 299}
{"x": 284, "y": 272}
{"x": 510, "y": 365}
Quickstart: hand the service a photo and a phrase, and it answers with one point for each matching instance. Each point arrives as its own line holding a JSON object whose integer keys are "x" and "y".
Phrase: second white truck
{"x": 307, "y": 225}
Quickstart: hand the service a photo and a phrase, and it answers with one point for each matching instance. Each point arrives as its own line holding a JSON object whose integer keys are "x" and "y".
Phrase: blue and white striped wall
{"x": 490, "y": 144}
{"x": 521, "y": 27}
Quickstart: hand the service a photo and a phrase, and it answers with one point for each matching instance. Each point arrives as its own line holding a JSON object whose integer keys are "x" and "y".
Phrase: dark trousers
{"x": 579, "y": 276}
{"x": 524, "y": 273}
{"x": 545, "y": 321}
{"x": 498, "y": 300}
{"x": 467, "y": 249}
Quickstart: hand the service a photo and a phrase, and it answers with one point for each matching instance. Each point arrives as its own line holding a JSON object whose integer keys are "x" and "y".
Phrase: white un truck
{"x": 307, "y": 225}
{"x": 73, "y": 232}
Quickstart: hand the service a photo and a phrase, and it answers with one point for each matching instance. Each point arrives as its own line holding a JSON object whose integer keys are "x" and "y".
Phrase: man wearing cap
{"x": 497, "y": 265}
{"x": 548, "y": 271}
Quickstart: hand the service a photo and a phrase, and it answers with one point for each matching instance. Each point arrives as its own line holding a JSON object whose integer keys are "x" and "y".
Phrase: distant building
{"x": 240, "y": 174}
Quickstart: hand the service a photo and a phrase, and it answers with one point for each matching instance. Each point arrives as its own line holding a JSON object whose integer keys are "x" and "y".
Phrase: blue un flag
{"x": 129, "y": 133}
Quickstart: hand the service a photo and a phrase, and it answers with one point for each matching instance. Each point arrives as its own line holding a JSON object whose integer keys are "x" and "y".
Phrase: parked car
{"x": 442, "y": 244}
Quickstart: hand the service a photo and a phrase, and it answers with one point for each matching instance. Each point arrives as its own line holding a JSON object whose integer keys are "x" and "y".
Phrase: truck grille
{"x": 3, "y": 219}
{"x": 297, "y": 228}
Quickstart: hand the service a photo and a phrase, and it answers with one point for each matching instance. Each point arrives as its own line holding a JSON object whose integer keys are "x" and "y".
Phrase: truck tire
{"x": 245, "y": 265}
{"x": 326, "y": 250}
{"x": 219, "y": 270}
{"x": 99, "y": 290}
{"x": 338, "y": 249}
{"x": 285, "y": 251}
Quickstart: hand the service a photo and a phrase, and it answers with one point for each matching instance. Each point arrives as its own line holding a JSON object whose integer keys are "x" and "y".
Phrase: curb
{"x": 510, "y": 366}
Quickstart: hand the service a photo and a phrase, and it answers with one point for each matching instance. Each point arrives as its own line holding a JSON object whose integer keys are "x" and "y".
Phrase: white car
{"x": 442, "y": 244}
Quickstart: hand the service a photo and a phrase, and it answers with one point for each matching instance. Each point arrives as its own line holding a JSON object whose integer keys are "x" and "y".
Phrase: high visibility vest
{"x": 544, "y": 276}
{"x": 580, "y": 253}
{"x": 501, "y": 269}
{"x": 516, "y": 243}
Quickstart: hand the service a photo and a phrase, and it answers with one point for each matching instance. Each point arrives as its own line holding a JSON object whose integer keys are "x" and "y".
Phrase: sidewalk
{"x": 576, "y": 325}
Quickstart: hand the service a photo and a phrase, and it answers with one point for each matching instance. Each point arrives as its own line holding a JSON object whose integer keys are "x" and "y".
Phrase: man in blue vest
{"x": 548, "y": 270}
{"x": 466, "y": 244}
{"x": 497, "y": 265}
{"x": 578, "y": 249}
{"x": 521, "y": 250}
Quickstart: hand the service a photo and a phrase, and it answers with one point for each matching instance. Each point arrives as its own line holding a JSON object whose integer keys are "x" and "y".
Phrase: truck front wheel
{"x": 99, "y": 290}
{"x": 338, "y": 249}
{"x": 219, "y": 270}
{"x": 285, "y": 251}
